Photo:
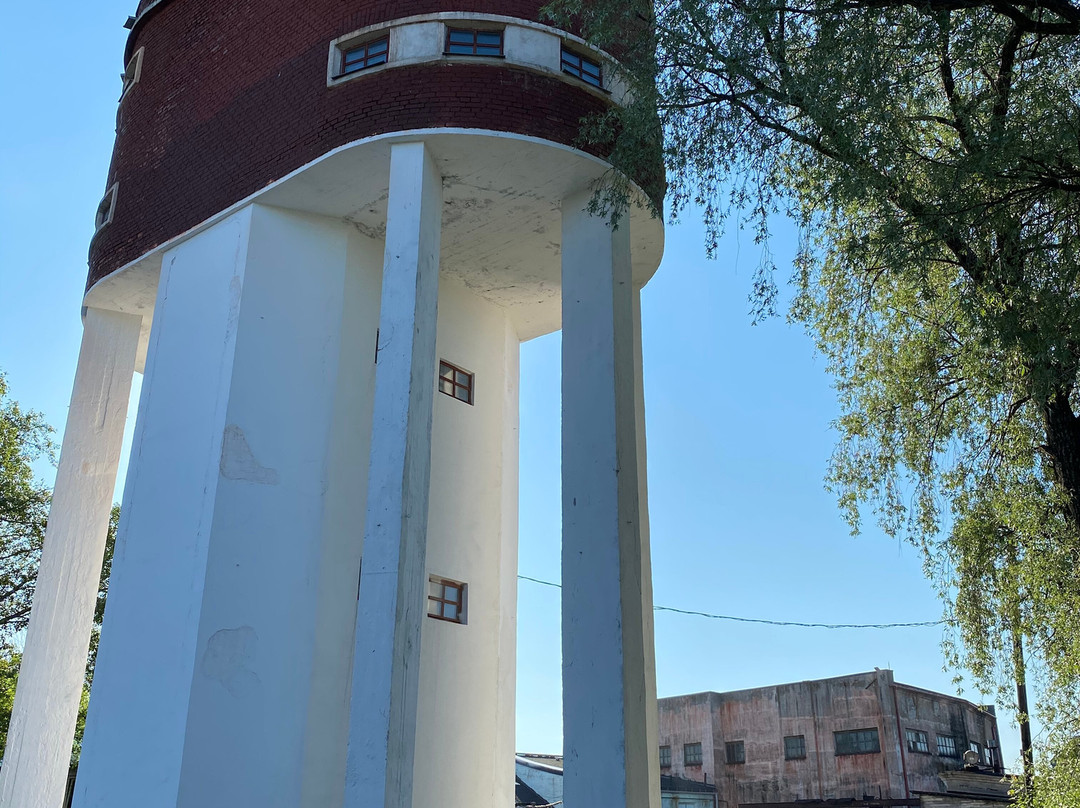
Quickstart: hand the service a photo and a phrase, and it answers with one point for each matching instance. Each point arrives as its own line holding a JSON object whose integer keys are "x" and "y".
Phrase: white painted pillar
{"x": 383, "y": 713}
{"x": 223, "y": 669}
{"x": 38, "y": 752}
{"x": 609, "y": 702}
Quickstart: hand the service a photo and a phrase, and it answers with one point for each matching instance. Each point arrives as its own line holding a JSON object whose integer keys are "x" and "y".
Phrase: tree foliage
{"x": 930, "y": 151}
{"x": 24, "y": 509}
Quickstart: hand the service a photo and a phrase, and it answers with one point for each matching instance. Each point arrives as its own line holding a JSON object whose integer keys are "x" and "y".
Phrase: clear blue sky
{"x": 738, "y": 416}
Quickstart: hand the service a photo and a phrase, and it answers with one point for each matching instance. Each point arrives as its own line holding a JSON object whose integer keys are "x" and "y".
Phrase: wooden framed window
{"x": 446, "y": 600}
{"x": 735, "y": 752}
{"x": 917, "y": 741}
{"x": 946, "y": 746}
{"x": 857, "y": 742}
{"x": 455, "y": 382}
{"x": 367, "y": 54}
{"x": 691, "y": 754}
{"x": 473, "y": 42}
{"x": 583, "y": 68}
{"x": 665, "y": 757}
{"x": 794, "y": 747}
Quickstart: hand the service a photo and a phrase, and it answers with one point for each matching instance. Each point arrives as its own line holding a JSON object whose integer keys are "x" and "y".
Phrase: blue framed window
{"x": 579, "y": 66}
{"x": 368, "y": 54}
{"x": 474, "y": 42}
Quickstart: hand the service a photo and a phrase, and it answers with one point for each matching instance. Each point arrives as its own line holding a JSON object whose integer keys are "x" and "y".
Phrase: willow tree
{"x": 930, "y": 151}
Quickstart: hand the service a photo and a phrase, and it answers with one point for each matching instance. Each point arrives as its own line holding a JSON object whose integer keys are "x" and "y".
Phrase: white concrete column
{"x": 223, "y": 670}
{"x": 609, "y": 724}
{"x": 385, "y": 684}
{"x": 38, "y": 752}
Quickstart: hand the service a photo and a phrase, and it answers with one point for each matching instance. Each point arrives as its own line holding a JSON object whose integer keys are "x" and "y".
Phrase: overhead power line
{"x": 762, "y": 621}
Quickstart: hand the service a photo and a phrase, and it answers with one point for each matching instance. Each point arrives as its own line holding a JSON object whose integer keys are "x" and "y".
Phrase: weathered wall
{"x": 938, "y": 715}
{"x": 762, "y": 717}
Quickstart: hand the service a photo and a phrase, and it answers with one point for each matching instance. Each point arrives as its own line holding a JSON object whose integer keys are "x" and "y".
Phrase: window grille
{"x": 857, "y": 742}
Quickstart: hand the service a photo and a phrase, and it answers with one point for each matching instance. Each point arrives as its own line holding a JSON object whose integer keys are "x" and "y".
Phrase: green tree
{"x": 930, "y": 151}
{"x": 24, "y": 509}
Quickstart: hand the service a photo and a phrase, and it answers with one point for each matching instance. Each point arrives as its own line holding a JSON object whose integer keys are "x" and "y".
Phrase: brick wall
{"x": 233, "y": 96}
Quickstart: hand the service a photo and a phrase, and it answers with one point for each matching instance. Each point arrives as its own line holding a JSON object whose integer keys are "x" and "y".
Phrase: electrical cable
{"x": 762, "y": 621}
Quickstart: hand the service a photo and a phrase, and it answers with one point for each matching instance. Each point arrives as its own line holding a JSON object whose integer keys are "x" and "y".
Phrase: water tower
{"x": 328, "y": 226}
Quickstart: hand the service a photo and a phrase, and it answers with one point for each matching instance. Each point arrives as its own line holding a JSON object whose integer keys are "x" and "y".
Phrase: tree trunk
{"x": 1063, "y": 446}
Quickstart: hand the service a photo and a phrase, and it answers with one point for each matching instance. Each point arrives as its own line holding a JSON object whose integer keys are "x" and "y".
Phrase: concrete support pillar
{"x": 383, "y": 712}
{"x": 36, "y": 759}
{"x": 609, "y": 701}
{"x": 224, "y": 660}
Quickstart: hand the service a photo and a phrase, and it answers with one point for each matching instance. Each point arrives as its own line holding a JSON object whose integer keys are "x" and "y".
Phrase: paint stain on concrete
{"x": 238, "y": 462}
{"x": 228, "y": 657}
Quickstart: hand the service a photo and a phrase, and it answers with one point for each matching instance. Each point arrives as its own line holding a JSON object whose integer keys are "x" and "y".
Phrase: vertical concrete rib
{"x": 608, "y": 698}
{"x": 382, "y": 722}
{"x": 46, "y": 706}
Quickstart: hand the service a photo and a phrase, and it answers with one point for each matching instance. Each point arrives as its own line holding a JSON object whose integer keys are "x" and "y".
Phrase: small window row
{"x": 483, "y": 42}
{"x": 947, "y": 745}
{"x": 847, "y": 742}
{"x": 734, "y": 752}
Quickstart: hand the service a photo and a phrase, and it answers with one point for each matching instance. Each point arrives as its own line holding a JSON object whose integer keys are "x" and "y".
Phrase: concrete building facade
{"x": 850, "y": 737}
{"x": 326, "y": 230}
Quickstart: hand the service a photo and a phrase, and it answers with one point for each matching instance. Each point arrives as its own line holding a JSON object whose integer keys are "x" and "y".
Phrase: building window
{"x": 364, "y": 55}
{"x": 446, "y": 600}
{"x": 917, "y": 741}
{"x": 665, "y": 756}
{"x": 735, "y": 752}
{"x": 794, "y": 747}
{"x": 455, "y": 382}
{"x": 857, "y": 742}
{"x": 691, "y": 754}
{"x": 105, "y": 209}
{"x": 132, "y": 73}
{"x": 946, "y": 746}
{"x": 469, "y": 42}
{"x": 585, "y": 69}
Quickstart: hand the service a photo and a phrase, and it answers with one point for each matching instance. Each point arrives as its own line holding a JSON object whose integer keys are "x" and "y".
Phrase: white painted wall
{"x": 221, "y": 677}
{"x": 465, "y": 728}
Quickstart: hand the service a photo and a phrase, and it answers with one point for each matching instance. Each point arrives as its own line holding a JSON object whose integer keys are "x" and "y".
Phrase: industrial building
{"x": 863, "y": 737}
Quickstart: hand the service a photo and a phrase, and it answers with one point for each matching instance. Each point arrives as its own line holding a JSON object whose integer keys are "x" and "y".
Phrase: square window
{"x": 735, "y": 752}
{"x": 474, "y": 42}
{"x": 455, "y": 382}
{"x": 946, "y": 746}
{"x": 585, "y": 69}
{"x": 691, "y": 754}
{"x": 917, "y": 741}
{"x": 364, "y": 55}
{"x": 665, "y": 756}
{"x": 857, "y": 742}
{"x": 794, "y": 747}
{"x": 446, "y": 600}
